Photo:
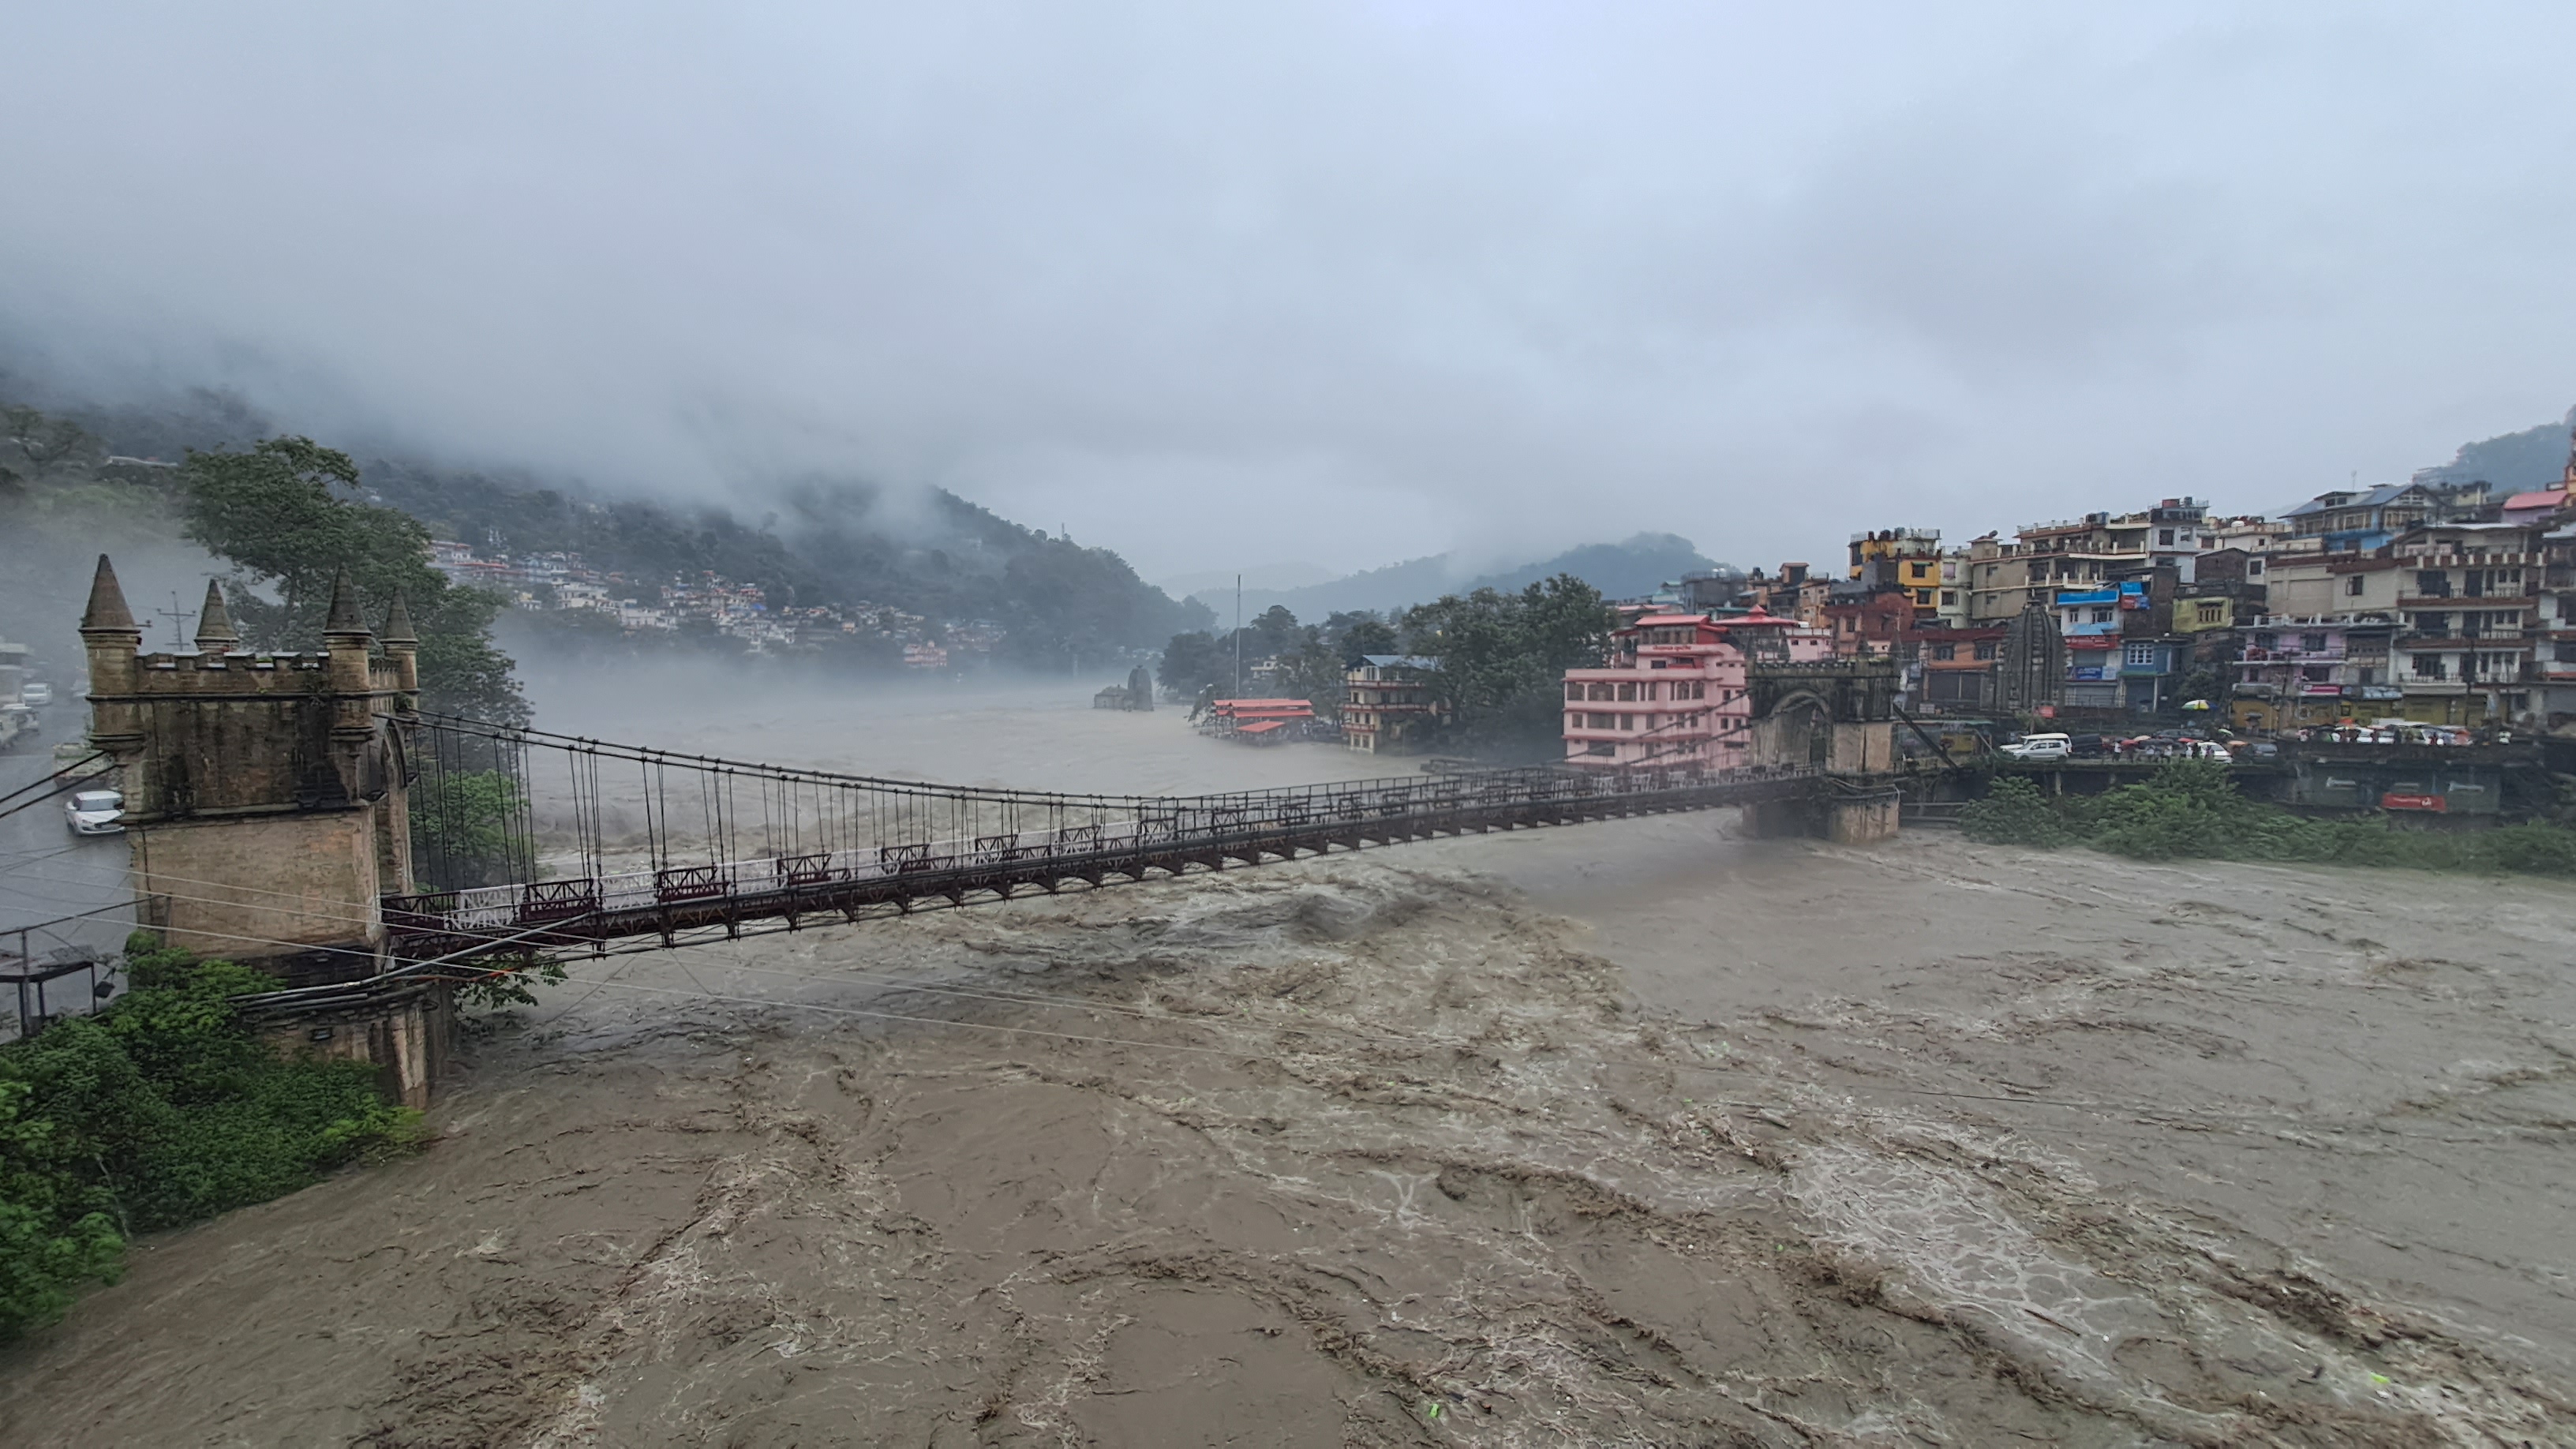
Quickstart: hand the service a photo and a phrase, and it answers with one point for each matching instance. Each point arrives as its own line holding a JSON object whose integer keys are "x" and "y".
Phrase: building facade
{"x": 1388, "y": 706}
{"x": 1674, "y": 690}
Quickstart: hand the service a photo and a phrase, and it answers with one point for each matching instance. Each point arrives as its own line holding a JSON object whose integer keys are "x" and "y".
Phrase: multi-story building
{"x": 2097, "y": 549}
{"x": 1954, "y": 670}
{"x": 2469, "y": 597}
{"x": 1674, "y": 690}
{"x": 2297, "y": 671}
{"x": 1388, "y": 705}
{"x": 1903, "y": 560}
{"x": 2361, "y": 520}
{"x": 2554, "y": 646}
{"x": 1996, "y": 580}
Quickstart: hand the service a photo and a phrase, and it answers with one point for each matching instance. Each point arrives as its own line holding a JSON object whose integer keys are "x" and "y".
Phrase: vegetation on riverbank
{"x": 2190, "y": 810}
{"x": 159, "y": 1111}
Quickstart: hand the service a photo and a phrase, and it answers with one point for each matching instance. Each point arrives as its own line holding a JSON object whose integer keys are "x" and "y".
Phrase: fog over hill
{"x": 804, "y": 539}
{"x": 1619, "y": 570}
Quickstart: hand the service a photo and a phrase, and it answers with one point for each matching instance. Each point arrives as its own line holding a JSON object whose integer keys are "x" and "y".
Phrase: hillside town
{"x": 711, "y": 604}
{"x": 2432, "y": 610}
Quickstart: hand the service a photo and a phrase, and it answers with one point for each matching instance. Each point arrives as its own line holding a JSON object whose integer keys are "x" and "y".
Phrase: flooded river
{"x": 1636, "y": 1132}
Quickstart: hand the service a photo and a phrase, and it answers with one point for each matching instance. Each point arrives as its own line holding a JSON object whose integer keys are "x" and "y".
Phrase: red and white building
{"x": 1675, "y": 690}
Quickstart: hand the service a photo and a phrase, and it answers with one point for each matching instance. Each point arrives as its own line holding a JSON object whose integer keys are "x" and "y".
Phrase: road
{"x": 47, "y": 873}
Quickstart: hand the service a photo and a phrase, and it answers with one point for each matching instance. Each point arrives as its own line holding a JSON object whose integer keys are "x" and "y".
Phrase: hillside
{"x": 1618, "y": 570}
{"x": 2516, "y": 462}
{"x": 817, "y": 541}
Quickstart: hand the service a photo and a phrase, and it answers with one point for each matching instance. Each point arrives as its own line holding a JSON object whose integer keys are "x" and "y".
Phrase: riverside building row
{"x": 2432, "y": 602}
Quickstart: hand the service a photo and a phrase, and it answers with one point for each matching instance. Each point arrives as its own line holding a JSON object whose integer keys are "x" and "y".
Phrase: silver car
{"x": 95, "y": 812}
{"x": 36, "y": 694}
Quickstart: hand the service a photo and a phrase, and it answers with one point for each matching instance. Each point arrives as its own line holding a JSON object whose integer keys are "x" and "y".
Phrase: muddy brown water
{"x": 1630, "y": 1133}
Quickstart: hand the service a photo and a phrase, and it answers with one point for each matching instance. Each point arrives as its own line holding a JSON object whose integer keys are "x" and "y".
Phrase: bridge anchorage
{"x": 302, "y": 814}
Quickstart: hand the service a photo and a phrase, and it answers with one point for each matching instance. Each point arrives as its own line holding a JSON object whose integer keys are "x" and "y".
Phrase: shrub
{"x": 159, "y": 1111}
{"x": 2190, "y": 810}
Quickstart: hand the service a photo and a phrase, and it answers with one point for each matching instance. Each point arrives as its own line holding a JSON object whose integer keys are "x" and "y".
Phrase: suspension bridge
{"x": 711, "y": 846}
{"x": 302, "y": 813}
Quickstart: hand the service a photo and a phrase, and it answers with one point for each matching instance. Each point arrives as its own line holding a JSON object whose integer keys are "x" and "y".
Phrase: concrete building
{"x": 2301, "y": 671}
{"x": 2469, "y": 597}
{"x": 1388, "y": 706}
{"x": 1903, "y": 560}
{"x": 1675, "y": 690}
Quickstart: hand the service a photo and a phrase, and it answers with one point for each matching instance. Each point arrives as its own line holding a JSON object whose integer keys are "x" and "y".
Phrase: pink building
{"x": 1674, "y": 690}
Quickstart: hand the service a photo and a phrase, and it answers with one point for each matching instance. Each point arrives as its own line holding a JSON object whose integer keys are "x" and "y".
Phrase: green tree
{"x": 160, "y": 1110}
{"x": 1503, "y": 659}
{"x": 1359, "y": 632}
{"x": 276, "y": 511}
{"x": 1191, "y": 664}
{"x": 460, "y": 829}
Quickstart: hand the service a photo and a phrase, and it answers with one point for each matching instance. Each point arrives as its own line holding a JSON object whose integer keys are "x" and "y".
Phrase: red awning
{"x": 1262, "y": 728}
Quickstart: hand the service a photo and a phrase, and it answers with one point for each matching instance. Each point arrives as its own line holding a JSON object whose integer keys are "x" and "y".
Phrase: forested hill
{"x": 1619, "y": 570}
{"x": 813, "y": 541}
{"x": 2513, "y": 463}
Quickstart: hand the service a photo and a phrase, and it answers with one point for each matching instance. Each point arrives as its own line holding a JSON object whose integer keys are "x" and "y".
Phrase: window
{"x": 1601, "y": 721}
{"x": 2428, "y": 666}
{"x": 1600, "y": 691}
{"x": 1574, "y": 691}
{"x": 2351, "y": 584}
{"x": 1601, "y": 747}
{"x": 1627, "y": 721}
{"x": 2139, "y": 656}
{"x": 1945, "y": 651}
{"x": 1949, "y": 598}
{"x": 2164, "y": 537}
{"x": 1985, "y": 649}
{"x": 1627, "y": 693}
{"x": 2312, "y": 643}
{"x": 2267, "y": 640}
{"x": 2104, "y": 616}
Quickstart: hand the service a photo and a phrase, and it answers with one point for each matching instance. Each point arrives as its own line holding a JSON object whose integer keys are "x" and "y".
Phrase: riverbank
{"x": 1631, "y": 1132}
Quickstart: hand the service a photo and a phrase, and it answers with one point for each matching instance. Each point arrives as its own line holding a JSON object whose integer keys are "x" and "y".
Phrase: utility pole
{"x": 178, "y": 618}
{"x": 1238, "y": 636}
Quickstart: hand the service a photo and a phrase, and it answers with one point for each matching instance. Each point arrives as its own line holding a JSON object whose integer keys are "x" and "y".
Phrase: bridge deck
{"x": 1172, "y": 836}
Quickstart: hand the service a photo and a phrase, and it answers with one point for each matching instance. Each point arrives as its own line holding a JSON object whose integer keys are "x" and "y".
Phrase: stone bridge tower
{"x": 265, "y": 816}
{"x": 263, "y": 792}
{"x": 1839, "y": 716}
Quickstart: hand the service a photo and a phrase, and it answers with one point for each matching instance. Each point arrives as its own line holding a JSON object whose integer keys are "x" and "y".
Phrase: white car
{"x": 95, "y": 812}
{"x": 2040, "y": 747}
{"x": 36, "y": 694}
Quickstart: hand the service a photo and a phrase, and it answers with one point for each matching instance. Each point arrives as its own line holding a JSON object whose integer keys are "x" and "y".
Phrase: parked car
{"x": 37, "y": 695}
{"x": 2084, "y": 747}
{"x": 2040, "y": 747}
{"x": 95, "y": 812}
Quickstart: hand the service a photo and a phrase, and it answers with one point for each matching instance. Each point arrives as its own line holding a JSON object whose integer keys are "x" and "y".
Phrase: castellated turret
{"x": 264, "y": 801}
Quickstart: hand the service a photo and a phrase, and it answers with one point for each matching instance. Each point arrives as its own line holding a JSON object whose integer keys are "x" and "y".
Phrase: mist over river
{"x": 1633, "y": 1132}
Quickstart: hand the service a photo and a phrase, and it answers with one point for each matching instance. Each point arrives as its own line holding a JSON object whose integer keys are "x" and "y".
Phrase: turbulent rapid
{"x": 1629, "y": 1133}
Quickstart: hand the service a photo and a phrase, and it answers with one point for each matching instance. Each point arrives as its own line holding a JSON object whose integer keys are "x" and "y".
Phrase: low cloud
{"x": 1221, "y": 286}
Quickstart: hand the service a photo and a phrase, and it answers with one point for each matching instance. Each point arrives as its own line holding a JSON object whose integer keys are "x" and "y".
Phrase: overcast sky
{"x": 1224, "y": 285}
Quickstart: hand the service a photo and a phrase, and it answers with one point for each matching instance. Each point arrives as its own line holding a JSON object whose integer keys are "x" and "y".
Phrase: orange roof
{"x": 2544, "y": 498}
{"x": 1262, "y": 728}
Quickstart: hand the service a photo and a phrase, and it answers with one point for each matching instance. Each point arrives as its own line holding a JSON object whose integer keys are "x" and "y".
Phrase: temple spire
{"x": 107, "y": 609}
{"x": 215, "y": 631}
